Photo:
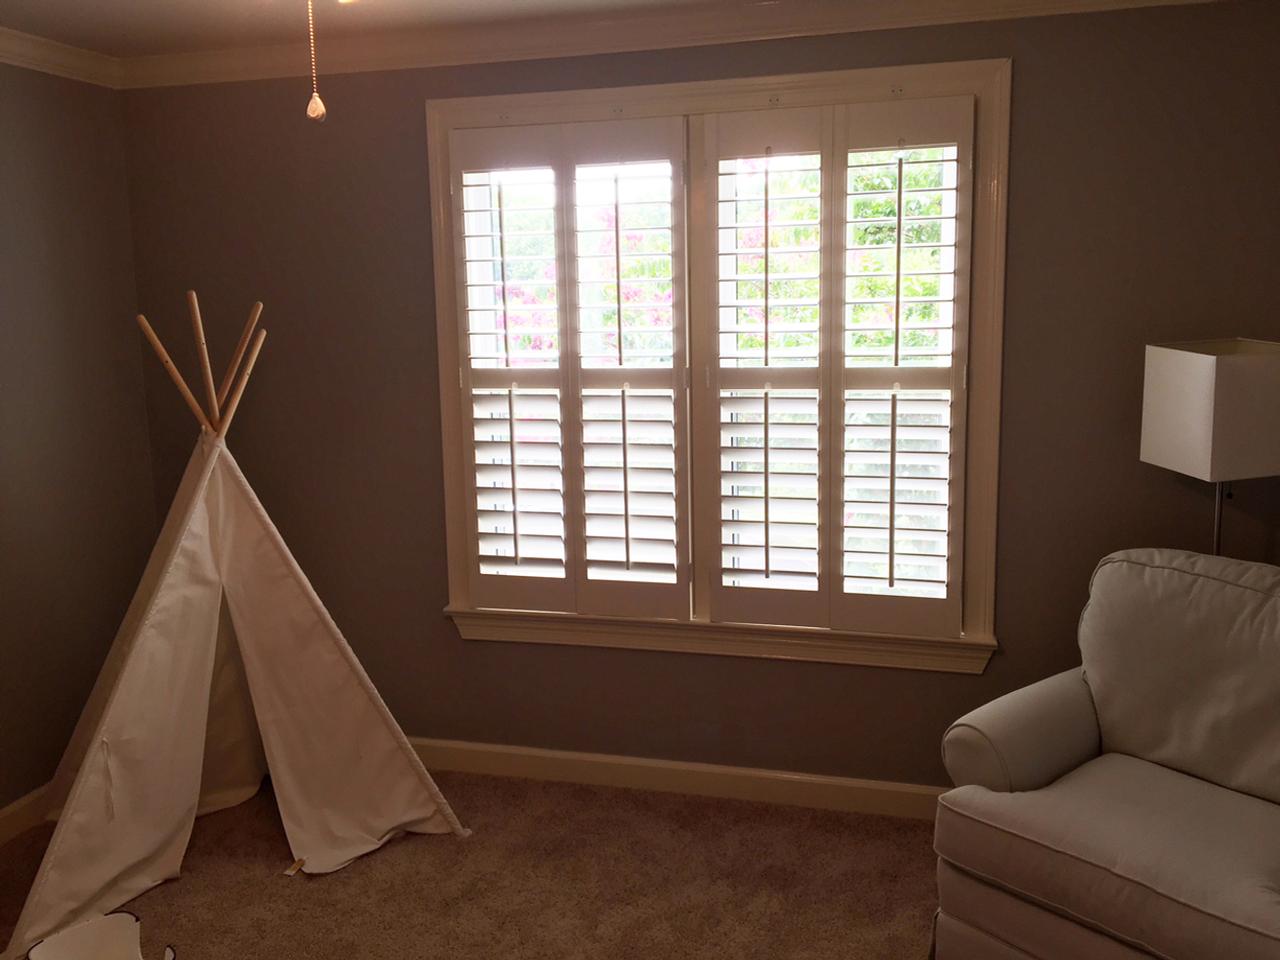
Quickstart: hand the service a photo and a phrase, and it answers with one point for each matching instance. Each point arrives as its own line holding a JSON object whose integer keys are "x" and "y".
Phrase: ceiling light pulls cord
{"x": 315, "y": 106}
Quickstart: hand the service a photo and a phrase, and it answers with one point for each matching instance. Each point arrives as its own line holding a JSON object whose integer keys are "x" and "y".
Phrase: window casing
{"x": 711, "y": 367}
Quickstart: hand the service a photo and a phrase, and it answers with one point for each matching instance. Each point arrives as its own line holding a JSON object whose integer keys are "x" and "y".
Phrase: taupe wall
{"x": 1143, "y": 207}
{"x": 77, "y": 513}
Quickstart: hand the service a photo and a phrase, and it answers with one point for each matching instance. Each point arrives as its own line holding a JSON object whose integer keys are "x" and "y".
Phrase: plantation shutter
{"x": 761, "y": 402}
{"x": 905, "y": 228}
{"x": 571, "y": 254}
{"x": 627, "y": 290}
{"x": 509, "y": 254}
{"x": 833, "y": 246}
{"x": 834, "y": 375}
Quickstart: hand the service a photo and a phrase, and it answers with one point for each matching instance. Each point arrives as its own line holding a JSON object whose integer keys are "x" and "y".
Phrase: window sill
{"x": 943, "y": 654}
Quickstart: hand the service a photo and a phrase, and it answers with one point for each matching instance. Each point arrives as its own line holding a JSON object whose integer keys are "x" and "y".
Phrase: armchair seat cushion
{"x": 1173, "y": 865}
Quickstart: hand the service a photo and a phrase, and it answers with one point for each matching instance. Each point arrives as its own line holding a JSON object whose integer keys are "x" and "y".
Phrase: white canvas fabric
{"x": 234, "y": 762}
{"x": 225, "y": 628}
{"x": 162, "y": 553}
{"x": 117, "y": 936}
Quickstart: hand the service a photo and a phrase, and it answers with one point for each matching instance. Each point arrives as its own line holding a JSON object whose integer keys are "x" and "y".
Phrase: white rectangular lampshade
{"x": 1211, "y": 408}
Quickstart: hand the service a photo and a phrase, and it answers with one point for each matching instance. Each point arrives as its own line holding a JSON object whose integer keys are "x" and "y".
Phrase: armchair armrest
{"x": 1026, "y": 739}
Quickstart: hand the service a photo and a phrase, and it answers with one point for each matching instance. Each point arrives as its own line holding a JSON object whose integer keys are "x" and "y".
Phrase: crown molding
{"x": 47, "y": 56}
{"x": 534, "y": 39}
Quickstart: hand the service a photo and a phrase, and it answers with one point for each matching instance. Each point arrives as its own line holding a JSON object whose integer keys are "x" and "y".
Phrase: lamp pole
{"x": 1221, "y": 491}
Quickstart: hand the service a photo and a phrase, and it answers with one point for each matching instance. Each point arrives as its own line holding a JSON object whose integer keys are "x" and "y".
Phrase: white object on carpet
{"x": 117, "y": 936}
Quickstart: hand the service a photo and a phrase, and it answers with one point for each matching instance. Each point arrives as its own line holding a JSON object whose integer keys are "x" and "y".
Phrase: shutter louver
{"x": 624, "y": 242}
{"x": 519, "y": 482}
{"x": 901, "y": 257}
{"x": 769, "y": 488}
{"x": 770, "y": 250}
{"x": 509, "y": 236}
{"x": 629, "y": 457}
{"x": 897, "y": 470}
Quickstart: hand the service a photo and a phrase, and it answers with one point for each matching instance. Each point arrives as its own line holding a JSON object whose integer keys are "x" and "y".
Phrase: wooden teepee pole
{"x": 197, "y": 326}
{"x": 174, "y": 375}
{"x": 238, "y": 392}
{"x": 254, "y": 313}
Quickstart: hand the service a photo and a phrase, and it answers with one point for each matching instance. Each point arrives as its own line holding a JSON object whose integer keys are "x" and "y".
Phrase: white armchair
{"x": 1130, "y": 808}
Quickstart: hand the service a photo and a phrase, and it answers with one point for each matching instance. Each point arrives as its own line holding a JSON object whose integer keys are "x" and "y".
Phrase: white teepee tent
{"x": 226, "y": 666}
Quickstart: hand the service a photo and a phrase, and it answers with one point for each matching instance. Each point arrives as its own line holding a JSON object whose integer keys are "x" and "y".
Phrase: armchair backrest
{"x": 1182, "y": 654}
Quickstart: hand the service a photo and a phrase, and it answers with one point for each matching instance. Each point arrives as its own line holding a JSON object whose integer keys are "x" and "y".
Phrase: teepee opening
{"x": 226, "y": 667}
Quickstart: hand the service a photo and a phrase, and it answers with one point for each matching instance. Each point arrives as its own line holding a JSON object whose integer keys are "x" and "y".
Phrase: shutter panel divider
{"x": 893, "y": 461}
{"x": 502, "y": 285}
{"x": 897, "y": 324}
{"x": 515, "y": 483}
{"x": 570, "y": 371}
{"x": 765, "y": 473}
{"x": 622, "y": 422}
{"x": 831, "y": 533}
{"x": 704, "y": 414}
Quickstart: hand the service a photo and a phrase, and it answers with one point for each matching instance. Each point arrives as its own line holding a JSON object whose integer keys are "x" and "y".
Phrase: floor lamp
{"x": 1211, "y": 410}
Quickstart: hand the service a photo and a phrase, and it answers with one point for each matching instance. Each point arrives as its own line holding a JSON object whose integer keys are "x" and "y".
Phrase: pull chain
{"x": 315, "y": 106}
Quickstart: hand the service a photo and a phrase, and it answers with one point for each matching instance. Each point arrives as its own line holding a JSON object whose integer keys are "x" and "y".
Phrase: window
{"x": 721, "y": 371}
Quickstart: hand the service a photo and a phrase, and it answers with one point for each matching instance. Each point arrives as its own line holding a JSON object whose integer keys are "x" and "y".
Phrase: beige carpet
{"x": 553, "y": 871}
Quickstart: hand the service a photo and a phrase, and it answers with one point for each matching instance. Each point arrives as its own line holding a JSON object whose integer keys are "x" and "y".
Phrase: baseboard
{"x": 23, "y": 814}
{"x": 911, "y": 800}
{"x": 915, "y": 801}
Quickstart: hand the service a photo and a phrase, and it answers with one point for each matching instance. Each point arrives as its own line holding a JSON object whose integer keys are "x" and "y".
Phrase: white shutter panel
{"x": 628, "y": 334}
{"x": 763, "y": 398}
{"x": 906, "y": 226}
{"x": 509, "y": 251}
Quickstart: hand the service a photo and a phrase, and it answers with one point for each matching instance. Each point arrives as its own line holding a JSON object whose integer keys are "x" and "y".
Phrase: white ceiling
{"x": 131, "y": 28}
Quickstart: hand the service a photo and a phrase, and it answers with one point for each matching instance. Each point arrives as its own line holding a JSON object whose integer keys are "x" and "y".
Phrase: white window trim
{"x": 989, "y": 82}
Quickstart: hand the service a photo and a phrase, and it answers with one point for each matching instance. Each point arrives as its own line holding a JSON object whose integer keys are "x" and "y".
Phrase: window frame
{"x": 965, "y": 651}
